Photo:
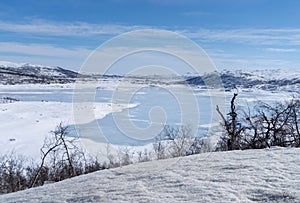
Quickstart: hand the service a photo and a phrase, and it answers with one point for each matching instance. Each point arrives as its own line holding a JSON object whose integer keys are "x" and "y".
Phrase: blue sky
{"x": 237, "y": 34}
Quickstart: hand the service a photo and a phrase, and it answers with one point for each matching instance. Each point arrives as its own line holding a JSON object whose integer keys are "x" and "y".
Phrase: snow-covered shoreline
{"x": 38, "y": 109}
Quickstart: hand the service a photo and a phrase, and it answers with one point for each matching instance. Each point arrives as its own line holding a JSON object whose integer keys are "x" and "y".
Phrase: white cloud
{"x": 65, "y": 29}
{"x": 246, "y": 36}
{"x": 41, "y": 50}
{"x": 43, "y": 54}
{"x": 281, "y": 50}
{"x": 83, "y": 29}
{"x": 252, "y": 63}
{"x": 49, "y": 54}
{"x": 233, "y": 60}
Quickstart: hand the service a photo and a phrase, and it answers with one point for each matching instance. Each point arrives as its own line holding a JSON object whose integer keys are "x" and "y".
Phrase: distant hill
{"x": 261, "y": 79}
{"x": 25, "y": 73}
{"x": 11, "y": 73}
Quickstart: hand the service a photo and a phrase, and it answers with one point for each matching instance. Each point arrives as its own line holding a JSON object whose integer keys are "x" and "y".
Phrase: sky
{"x": 236, "y": 34}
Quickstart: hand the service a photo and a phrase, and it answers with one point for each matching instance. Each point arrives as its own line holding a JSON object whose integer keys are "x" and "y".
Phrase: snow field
{"x": 269, "y": 175}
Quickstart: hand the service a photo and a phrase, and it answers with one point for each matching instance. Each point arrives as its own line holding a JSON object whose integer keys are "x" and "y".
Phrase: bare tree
{"x": 295, "y": 119}
{"x": 159, "y": 146}
{"x": 173, "y": 142}
{"x": 233, "y": 129}
{"x": 181, "y": 140}
{"x": 200, "y": 145}
{"x": 262, "y": 126}
{"x": 63, "y": 153}
{"x": 12, "y": 173}
{"x": 143, "y": 156}
{"x": 125, "y": 156}
{"x": 276, "y": 123}
{"x": 254, "y": 135}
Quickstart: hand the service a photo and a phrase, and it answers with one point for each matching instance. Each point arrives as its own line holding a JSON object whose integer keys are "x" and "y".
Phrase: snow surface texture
{"x": 269, "y": 175}
{"x": 30, "y": 122}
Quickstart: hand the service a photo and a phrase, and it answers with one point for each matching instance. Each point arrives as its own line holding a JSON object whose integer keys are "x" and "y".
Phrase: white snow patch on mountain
{"x": 265, "y": 75}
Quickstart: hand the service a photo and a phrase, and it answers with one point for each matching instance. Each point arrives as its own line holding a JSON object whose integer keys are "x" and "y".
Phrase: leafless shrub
{"x": 200, "y": 145}
{"x": 65, "y": 158}
{"x": 173, "y": 142}
{"x": 13, "y": 172}
{"x": 230, "y": 140}
{"x": 125, "y": 156}
{"x": 160, "y": 146}
{"x": 263, "y": 126}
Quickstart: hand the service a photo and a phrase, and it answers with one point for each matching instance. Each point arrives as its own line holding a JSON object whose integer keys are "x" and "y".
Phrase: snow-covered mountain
{"x": 268, "y": 175}
{"x": 23, "y": 73}
{"x": 262, "y": 79}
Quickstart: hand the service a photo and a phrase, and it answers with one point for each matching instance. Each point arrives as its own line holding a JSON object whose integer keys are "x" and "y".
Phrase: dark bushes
{"x": 263, "y": 126}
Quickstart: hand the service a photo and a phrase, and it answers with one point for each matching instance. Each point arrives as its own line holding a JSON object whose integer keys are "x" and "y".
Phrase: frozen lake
{"x": 146, "y": 100}
{"x": 143, "y": 117}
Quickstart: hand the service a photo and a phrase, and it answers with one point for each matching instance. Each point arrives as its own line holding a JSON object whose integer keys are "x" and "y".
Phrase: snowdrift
{"x": 269, "y": 175}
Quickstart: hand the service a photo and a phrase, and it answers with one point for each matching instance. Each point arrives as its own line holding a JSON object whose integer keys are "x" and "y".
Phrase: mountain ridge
{"x": 261, "y": 79}
{"x": 25, "y": 73}
{"x": 273, "y": 80}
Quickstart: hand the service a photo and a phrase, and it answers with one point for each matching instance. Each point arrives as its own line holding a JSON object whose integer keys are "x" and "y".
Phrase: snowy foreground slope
{"x": 270, "y": 175}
